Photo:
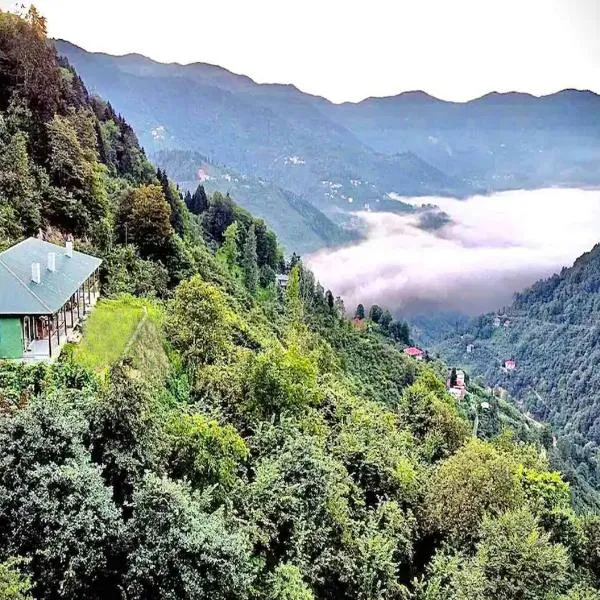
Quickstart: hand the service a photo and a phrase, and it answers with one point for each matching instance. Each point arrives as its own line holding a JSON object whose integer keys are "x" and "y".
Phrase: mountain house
{"x": 45, "y": 291}
{"x": 414, "y": 352}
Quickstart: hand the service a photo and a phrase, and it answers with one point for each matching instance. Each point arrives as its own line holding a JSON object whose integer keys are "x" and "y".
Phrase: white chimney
{"x": 51, "y": 261}
{"x": 35, "y": 272}
{"x": 70, "y": 249}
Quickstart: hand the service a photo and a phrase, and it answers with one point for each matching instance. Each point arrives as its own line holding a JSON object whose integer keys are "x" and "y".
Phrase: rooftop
{"x": 19, "y": 295}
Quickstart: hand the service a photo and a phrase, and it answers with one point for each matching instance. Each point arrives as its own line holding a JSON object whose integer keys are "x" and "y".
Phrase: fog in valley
{"x": 494, "y": 246}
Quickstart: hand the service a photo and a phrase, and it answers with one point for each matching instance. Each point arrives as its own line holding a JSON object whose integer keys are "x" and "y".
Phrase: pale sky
{"x": 348, "y": 50}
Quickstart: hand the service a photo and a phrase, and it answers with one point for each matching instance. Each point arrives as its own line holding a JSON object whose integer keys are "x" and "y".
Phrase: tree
{"x": 219, "y": 216}
{"x": 453, "y": 377}
{"x": 199, "y": 324}
{"x": 250, "y": 261}
{"x": 399, "y": 332}
{"x": 286, "y": 583}
{"x": 173, "y": 198}
{"x": 514, "y": 559}
{"x": 145, "y": 218}
{"x": 13, "y": 584}
{"x": 292, "y": 295}
{"x": 386, "y": 319}
{"x": 282, "y": 380}
{"x": 124, "y": 432}
{"x": 267, "y": 249}
{"x": 330, "y": 300}
{"x": 197, "y": 202}
{"x": 474, "y": 482}
{"x": 360, "y": 312}
{"x": 177, "y": 548}
{"x": 375, "y": 313}
{"x": 228, "y": 252}
{"x": 56, "y": 511}
{"x": 203, "y": 452}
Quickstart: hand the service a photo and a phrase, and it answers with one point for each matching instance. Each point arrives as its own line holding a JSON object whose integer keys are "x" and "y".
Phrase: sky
{"x": 472, "y": 265}
{"x": 347, "y": 50}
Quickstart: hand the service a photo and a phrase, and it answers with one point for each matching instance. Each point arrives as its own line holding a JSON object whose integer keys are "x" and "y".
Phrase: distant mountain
{"x": 552, "y": 332}
{"x": 300, "y": 226}
{"x": 496, "y": 142}
{"x": 273, "y": 132}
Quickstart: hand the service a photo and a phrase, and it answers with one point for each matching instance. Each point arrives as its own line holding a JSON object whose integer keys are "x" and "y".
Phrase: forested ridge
{"x": 551, "y": 332}
{"x": 279, "y": 452}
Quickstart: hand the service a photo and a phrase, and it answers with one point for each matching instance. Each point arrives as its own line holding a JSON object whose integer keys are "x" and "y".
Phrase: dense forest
{"x": 259, "y": 445}
{"x": 551, "y": 332}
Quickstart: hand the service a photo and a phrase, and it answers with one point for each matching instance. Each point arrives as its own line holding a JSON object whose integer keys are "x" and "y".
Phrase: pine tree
{"x": 375, "y": 313}
{"x": 329, "y": 299}
{"x": 250, "y": 261}
{"x": 360, "y": 312}
{"x": 228, "y": 252}
{"x": 386, "y": 319}
{"x": 174, "y": 201}
{"x": 453, "y": 377}
{"x": 198, "y": 201}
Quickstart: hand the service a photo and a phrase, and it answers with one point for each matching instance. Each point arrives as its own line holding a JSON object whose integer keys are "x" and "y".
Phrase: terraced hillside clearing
{"x": 123, "y": 326}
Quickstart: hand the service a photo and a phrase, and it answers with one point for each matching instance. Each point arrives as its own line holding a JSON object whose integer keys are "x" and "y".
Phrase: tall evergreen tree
{"x": 386, "y": 319}
{"x": 250, "y": 261}
{"x": 375, "y": 313}
{"x": 360, "y": 312}
{"x": 329, "y": 298}
{"x": 174, "y": 201}
{"x": 197, "y": 202}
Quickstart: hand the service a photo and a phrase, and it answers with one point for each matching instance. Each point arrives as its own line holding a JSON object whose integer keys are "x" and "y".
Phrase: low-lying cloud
{"x": 493, "y": 246}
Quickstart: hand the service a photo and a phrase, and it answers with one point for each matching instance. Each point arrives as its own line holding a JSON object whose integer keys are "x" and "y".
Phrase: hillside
{"x": 300, "y": 226}
{"x": 402, "y": 143}
{"x": 217, "y": 437}
{"x": 496, "y": 142}
{"x": 554, "y": 337}
{"x": 272, "y": 132}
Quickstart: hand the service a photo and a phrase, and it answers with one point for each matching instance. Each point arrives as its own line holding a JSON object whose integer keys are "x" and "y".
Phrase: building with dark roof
{"x": 45, "y": 290}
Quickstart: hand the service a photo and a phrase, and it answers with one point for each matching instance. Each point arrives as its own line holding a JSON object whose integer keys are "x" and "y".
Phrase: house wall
{"x": 11, "y": 337}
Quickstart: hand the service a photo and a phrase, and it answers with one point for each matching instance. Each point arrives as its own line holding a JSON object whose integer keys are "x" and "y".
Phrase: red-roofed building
{"x": 510, "y": 365}
{"x": 414, "y": 352}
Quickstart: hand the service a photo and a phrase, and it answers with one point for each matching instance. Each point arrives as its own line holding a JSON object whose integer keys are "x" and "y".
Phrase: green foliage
{"x": 177, "y": 549}
{"x": 282, "y": 380}
{"x": 199, "y": 324}
{"x": 13, "y": 584}
{"x": 228, "y": 252}
{"x": 286, "y": 583}
{"x": 250, "y": 261}
{"x": 474, "y": 482}
{"x": 107, "y": 332}
{"x": 257, "y": 446}
{"x": 203, "y": 451}
{"x": 144, "y": 219}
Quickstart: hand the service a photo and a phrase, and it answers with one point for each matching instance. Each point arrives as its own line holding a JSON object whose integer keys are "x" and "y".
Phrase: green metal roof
{"x": 19, "y": 295}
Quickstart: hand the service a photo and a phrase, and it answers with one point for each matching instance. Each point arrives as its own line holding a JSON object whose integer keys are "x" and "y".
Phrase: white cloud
{"x": 494, "y": 246}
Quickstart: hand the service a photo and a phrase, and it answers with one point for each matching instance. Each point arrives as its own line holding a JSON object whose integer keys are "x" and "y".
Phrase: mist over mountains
{"x": 346, "y": 158}
{"x": 491, "y": 247}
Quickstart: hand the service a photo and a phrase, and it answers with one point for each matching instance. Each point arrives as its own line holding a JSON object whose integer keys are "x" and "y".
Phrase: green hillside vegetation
{"x": 116, "y": 328}
{"x": 278, "y": 452}
{"x": 299, "y": 225}
{"x": 553, "y": 336}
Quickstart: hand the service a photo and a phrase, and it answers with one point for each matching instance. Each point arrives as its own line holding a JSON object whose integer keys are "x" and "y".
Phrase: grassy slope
{"x": 119, "y": 326}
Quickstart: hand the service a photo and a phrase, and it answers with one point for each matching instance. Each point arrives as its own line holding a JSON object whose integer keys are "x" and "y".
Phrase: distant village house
{"x": 282, "y": 280}
{"x": 45, "y": 291}
{"x": 456, "y": 388}
{"x": 510, "y": 364}
{"x": 415, "y": 352}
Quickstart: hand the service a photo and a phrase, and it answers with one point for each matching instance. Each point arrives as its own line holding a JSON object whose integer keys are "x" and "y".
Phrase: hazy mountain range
{"x": 341, "y": 158}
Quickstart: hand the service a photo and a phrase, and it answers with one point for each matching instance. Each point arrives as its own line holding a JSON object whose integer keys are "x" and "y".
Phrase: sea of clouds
{"x": 494, "y": 246}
